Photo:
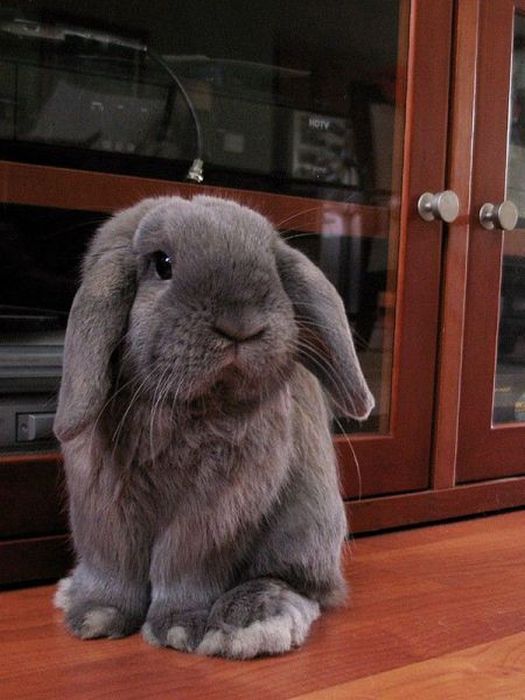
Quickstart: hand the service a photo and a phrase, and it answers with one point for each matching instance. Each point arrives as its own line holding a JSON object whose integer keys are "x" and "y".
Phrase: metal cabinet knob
{"x": 441, "y": 205}
{"x": 503, "y": 216}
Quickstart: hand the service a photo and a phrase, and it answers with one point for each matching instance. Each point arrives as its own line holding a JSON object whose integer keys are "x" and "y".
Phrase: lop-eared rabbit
{"x": 203, "y": 360}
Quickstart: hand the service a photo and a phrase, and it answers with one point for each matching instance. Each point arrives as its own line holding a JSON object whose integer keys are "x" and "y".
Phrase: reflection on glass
{"x": 358, "y": 267}
{"x": 301, "y": 98}
{"x": 509, "y": 398}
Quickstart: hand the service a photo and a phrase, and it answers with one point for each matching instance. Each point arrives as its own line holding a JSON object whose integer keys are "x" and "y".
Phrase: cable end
{"x": 195, "y": 173}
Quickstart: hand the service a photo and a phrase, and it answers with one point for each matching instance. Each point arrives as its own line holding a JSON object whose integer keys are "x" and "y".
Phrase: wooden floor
{"x": 437, "y": 613}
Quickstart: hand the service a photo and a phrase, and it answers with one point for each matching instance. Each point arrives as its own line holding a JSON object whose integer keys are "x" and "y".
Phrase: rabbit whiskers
{"x": 134, "y": 399}
{"x": 120, "y": 387}
{"x": 162, "y": 389}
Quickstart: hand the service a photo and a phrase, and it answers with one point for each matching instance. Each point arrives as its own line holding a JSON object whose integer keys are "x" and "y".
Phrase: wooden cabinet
{"x": 478, "y": 455}
{"x": 436, "y": 447}
{"x": 33, "y": 523}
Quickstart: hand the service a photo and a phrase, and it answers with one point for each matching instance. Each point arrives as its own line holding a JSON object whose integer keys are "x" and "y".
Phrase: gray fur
{"x": 202, "y": 480}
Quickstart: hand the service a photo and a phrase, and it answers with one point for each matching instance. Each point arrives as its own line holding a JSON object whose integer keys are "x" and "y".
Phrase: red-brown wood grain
{"x": 455, "y": 252}
{"x": 433, "y": 505}
{"x": 39, "y": 185}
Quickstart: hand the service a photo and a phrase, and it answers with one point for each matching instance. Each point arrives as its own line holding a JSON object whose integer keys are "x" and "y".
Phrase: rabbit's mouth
{"x": 239, "y": 356}
{"x": 179, "y": 368}
{"x": 240, "y": 380}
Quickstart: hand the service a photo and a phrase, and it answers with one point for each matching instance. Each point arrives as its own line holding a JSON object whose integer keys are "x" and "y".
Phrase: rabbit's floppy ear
{"x": 97, "y": 321}
{"x": 326, "y": 347}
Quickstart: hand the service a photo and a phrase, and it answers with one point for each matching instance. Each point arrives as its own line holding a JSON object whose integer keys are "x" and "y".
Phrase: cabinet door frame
{"x": 484, "y": 450}
{"x": 399, "y": 461}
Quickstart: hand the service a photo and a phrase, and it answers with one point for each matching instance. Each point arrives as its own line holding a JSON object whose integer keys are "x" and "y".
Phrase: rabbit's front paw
{"x": 181, "y": 629}
{"x": 91, "y": 621}
{"x": 258, "y": 618}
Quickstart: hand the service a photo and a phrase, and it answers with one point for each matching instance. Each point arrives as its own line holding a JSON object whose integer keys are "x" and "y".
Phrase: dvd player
{"x": 30, "y": 371}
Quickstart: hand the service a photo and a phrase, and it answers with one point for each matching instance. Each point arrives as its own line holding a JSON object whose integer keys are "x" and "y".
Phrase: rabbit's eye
{"x": 162, "y": 264}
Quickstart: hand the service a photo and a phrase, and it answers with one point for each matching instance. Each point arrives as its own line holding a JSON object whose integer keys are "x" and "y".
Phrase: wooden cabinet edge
{"x": 39, "y": 185}
{"x": 17, "y": 457}
{"x": 401, "y": 510}
{"x": 28, "y": 560}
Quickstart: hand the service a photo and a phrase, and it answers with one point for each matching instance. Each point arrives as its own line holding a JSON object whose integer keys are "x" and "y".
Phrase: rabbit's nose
{"x": 238, "y": 329}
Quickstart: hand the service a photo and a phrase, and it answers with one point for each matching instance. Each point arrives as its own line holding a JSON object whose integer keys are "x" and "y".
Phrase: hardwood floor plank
{"x": 417, "y": 596}
{"x": 485, "y": 672}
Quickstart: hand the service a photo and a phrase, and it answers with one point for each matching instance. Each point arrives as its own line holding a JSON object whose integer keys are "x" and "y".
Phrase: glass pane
{"x": 509, "y": 399}
{"x": 299, "y": 98}
{"x": 358, "y": 266}
{"x": 40, "y": 253}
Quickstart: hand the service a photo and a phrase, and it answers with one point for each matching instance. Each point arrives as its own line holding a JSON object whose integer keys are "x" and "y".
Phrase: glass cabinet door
{"x": 509, "y": 388}
{"x": 330, "y": 118}
{"x": 492, "y": 414}
{"x": 400, "y": 300}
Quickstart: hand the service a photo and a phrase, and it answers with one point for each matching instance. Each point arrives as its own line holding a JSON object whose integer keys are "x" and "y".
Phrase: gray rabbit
{"x": 202, "y": 480}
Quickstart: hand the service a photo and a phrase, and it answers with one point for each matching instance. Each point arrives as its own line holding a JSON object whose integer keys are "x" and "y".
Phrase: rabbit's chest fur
{"x": 218, "y": 475}
{"x": 206, "y": 478}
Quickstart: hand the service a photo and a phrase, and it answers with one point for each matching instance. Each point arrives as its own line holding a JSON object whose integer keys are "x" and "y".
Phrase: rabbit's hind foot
{"x": 258, "y": 618}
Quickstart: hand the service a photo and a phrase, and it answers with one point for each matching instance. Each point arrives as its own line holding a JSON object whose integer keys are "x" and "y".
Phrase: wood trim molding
{"x": 373, "y": 514}
{"x": 455, "y": 267}
{"x": 23, "y": 457}
{"x": 42, "y": 185}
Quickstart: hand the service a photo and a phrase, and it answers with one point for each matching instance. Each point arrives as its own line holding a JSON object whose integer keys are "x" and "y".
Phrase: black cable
{"x": 61, "y": 32}
{"x": 195, "y": 171}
